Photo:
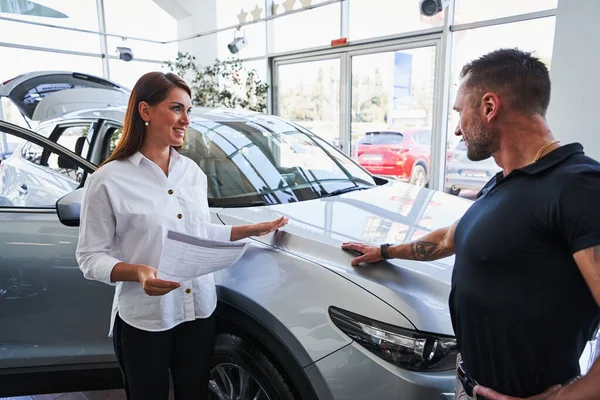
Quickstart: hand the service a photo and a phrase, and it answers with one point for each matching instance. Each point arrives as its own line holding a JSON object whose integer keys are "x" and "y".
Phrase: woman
{"x": 143, "y": 190}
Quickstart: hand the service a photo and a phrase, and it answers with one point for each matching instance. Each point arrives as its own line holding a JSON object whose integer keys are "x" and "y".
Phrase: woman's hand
{"x": 147, "y": 277}
{"x": 265, "y": 228}
{"x": 243, "y": 231}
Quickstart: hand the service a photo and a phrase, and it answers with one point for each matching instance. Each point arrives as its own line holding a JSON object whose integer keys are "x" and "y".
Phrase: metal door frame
{"x": 430, "y": 38}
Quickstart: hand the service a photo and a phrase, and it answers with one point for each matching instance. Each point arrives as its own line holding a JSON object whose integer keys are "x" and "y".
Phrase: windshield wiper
{"x": 345, "y": 190}
{"x": 224, "y": 204}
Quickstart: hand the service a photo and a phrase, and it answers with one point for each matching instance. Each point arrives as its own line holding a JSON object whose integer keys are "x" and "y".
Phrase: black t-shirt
{"x": 521, "y": 310}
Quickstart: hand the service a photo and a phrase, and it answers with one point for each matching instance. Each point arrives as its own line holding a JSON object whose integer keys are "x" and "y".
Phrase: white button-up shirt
{"x": 128, "y": 207}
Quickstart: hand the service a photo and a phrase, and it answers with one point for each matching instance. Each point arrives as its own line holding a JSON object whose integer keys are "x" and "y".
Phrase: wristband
{"x": 384, "y": 251}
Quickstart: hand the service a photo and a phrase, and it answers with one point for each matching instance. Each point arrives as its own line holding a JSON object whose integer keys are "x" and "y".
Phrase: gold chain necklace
{"x": 544, "y": 147}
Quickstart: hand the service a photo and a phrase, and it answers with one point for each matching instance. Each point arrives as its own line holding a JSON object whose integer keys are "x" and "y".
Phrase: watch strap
{"x": 384, "y": 251}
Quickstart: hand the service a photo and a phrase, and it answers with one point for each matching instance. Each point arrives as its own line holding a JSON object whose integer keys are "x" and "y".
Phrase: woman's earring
{"x": 147, "y": 123}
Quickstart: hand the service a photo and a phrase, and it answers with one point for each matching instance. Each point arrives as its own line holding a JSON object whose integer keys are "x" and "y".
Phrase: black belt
{"x": 467, "y": 381}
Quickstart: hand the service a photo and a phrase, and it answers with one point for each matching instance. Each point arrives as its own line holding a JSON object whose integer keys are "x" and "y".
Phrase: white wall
{"x": 575, "y": 73}
{"x": 195, "y": 16}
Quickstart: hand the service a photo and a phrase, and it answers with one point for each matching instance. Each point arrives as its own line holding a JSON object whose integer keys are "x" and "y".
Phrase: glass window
{"x": 143, "y": 50}
{"x": 309, "y": 94}
{"x": 8, "y": 145}
{"x": 55, "y": 12}
{"x": 381, "y": 138}
{"x": 127, "y": 73}
{"x": 22, "y": 61}
{"x": 392, "y": 93}
{"x": 312, "y": 28}
{"x": 265, "y": 161}
{"x": 52, "y": 38}
{"x": 115, "y": 136}
{"x": 75, "y": 138}
{"x": 466, "y": 11}
{"x": 259, "y": 67}
{"x": 463, "y": 176}
{"x": 36, "y": 177}
{"x": 372, "y": 18}
{"x": 139, "y": 18}
{"x": 10, "y": 112}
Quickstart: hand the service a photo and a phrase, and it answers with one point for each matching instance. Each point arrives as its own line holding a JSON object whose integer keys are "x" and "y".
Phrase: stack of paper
{"x": 185, "y": 257}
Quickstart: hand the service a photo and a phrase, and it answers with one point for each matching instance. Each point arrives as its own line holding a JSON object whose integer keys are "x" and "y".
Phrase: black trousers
{"x": 146, "y": 357}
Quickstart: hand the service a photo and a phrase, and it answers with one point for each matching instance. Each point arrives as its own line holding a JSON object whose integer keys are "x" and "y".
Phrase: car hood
{"x": 394, "y": 213}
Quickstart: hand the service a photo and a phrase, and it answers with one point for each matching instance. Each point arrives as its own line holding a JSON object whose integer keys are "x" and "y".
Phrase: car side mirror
{"x": 68, "y": 208}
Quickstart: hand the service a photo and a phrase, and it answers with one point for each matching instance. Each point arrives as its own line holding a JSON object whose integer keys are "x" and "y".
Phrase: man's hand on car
{"x": 366, "y": 252}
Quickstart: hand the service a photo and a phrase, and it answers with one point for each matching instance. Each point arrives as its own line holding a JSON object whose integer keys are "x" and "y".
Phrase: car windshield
{"x": 381, "y": 138}
{"x": 261, "y": 161}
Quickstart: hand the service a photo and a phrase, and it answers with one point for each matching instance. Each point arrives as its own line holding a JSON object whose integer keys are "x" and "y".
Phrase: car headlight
{"x": 405, "y": 348}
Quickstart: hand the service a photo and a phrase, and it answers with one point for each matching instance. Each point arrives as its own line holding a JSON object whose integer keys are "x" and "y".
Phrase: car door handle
{"x": 23, "y": 189}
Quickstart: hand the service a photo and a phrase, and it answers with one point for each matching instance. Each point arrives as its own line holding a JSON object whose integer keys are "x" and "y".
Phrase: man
{"x": 525, "y": 289}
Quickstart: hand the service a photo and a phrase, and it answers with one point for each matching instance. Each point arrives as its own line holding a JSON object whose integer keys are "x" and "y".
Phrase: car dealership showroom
{"x": 299, "y": 199}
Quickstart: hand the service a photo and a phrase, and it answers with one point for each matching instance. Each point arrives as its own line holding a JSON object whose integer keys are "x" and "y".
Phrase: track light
{"x": 125, "y": 53}
{"x": 238, "y": 43}
{"x": 431, "y": 7}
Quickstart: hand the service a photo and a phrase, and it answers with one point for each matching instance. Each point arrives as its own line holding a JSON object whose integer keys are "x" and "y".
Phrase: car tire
{"x": 418, "y": 176}
{"x": 235, "y": 360}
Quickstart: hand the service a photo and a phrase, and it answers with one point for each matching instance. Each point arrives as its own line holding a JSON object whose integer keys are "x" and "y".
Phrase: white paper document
{"x": 185, "y": 257}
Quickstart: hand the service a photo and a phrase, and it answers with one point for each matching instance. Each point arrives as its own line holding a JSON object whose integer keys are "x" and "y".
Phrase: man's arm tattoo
{"x": 422, "y": 251}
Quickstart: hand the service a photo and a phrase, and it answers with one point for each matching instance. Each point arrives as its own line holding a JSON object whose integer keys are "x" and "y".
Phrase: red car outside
{"x": 402, "y": 155}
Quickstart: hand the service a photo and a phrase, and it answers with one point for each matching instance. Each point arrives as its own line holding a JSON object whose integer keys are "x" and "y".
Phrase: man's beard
{"x": 481, "y": 143}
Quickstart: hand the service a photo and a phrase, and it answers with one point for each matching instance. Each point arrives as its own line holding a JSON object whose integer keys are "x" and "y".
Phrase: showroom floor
{"x": 98, "y": 395}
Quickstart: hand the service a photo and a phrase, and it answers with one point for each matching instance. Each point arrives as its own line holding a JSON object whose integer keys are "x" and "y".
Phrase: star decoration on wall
{"x": 256, "y": 13}
{"x": 242, "y": 16}
{"x": 288, "y": 5}
{"x": 274, "y": 8}
{"x": 305, "y": 3}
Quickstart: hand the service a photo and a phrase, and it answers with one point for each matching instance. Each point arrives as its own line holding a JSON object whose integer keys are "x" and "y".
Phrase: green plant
{"x": 225, "y": 83}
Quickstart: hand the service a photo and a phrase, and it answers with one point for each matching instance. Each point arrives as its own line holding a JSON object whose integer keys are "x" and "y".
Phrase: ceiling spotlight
{"x": 238, "y": 43}
{"x": 125, "y": 53}
{"x": 431, "y": 7}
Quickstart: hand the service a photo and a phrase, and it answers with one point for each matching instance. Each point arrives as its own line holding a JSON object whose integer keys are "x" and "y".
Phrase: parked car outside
{"x": 295, "y": 320}
{"x": 401, "y": 155}
{"x": 464, "y": 174}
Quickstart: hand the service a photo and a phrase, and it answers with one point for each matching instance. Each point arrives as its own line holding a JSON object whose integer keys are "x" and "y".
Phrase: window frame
{"x": 31, "y": 137}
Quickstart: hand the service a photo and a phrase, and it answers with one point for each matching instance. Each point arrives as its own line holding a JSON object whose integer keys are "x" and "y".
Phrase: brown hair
{"x": 518, "y": 75}
{"x": 152, "y": 88}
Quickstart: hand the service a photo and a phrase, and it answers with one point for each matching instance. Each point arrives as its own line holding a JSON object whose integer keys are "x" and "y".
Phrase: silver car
{"x": 464, "y": 174}
{"x": 295, "y": 320}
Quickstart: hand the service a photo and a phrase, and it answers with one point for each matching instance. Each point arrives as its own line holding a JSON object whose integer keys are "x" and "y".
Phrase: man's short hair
{"x": 515, "y": 74}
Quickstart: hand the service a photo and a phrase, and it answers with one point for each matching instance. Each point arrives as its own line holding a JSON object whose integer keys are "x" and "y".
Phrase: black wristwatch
{"x": 384, "y": 251}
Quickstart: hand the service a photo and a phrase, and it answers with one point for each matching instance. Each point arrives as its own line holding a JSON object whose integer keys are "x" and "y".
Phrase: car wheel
{"x": 243, "y": 371}
{"x": 418, "y": 176}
